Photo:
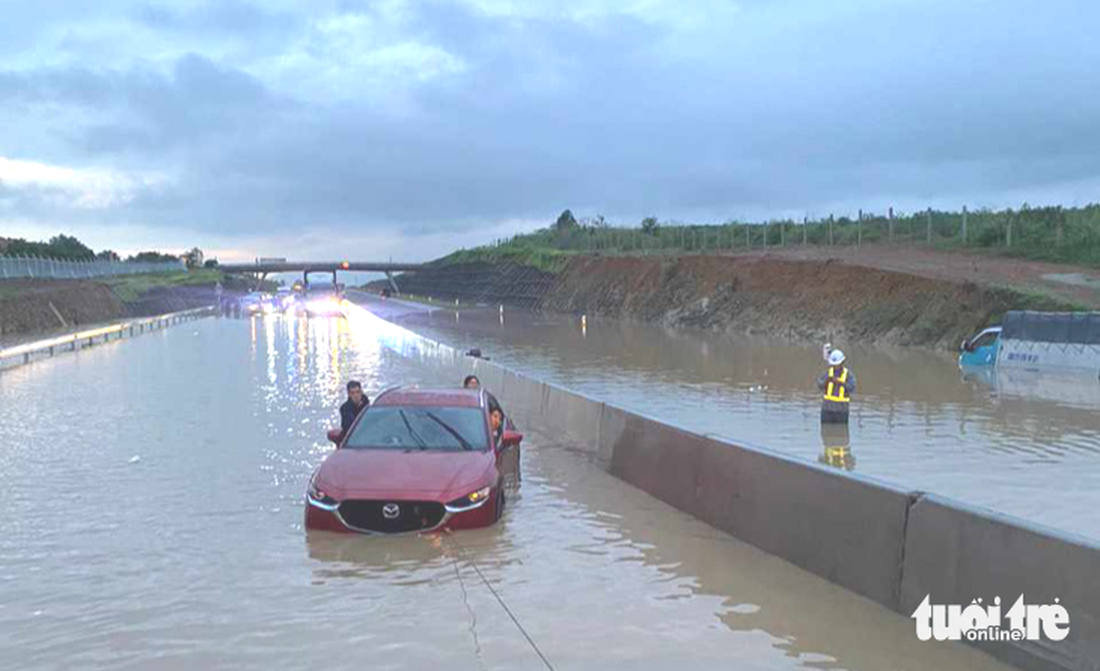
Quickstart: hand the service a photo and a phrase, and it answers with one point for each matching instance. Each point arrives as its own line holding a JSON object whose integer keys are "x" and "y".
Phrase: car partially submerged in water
{"x": 417, "y": 460}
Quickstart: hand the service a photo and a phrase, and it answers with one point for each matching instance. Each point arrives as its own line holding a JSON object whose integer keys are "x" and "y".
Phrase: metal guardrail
{"x": 31, "y": 267}
{"x": 72, "y": 342}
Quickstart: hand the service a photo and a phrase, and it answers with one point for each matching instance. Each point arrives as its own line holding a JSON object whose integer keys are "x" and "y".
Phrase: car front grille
{"x": 372, "y": 515}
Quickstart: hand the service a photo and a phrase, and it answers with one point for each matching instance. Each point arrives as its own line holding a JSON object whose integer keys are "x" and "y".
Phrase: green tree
{"x": 59, "y": 247}
{"x": 193, "y": 258}
{"x": 566, "y": 222}
{"x": 155, "y": 257}
{"x": 108, "y": 255}
{"x": 649, "y": 225}
{"x": 68, "y": 247}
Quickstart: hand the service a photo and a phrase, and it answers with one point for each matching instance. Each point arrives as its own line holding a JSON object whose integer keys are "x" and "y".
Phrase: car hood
{"x": 368, "y": 474}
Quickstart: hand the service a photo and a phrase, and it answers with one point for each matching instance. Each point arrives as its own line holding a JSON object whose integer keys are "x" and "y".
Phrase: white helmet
{"x": 836, "y": 357}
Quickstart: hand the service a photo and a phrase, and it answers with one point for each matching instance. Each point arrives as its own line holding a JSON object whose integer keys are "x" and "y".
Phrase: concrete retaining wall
{"x": 885, "y": 543}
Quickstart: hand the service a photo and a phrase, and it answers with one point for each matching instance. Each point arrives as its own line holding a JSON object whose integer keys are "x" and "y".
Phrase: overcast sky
{"x": 351, "y": 128}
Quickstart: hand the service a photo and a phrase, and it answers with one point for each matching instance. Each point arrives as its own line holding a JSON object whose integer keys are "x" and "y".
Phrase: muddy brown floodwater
{"x": 1016, "y": 442}
{"x": 152, "y": 492}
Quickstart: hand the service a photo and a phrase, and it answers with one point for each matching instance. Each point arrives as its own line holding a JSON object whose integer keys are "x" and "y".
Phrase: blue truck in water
{"x": 1038, "y": 341}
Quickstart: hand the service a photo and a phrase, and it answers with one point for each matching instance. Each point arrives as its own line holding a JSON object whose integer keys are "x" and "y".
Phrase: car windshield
{"x": 984, "y": 340}
{"x": 438, "y": 429}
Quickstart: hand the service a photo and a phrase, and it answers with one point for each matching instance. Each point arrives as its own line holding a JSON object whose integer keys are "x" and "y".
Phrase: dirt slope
{"x": 45, "y": 306}
{"x": 768, "y": 295}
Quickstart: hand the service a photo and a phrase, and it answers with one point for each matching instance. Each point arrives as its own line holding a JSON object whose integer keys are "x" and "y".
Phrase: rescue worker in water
{"x": 839, "y": 384}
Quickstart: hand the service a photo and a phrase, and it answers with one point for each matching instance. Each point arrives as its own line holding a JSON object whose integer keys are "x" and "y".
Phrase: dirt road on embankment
{"x": 1072, "y": 284}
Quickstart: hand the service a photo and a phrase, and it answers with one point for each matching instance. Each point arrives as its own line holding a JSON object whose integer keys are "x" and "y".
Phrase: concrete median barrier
{"x": 659, "y": 459}
{"x": 847, "y": 530}
{"x": 575, "y": 415}
{"x": 613, "y": 423}
{"x": 954, "y": 554}
{"x": 522, "y": 395}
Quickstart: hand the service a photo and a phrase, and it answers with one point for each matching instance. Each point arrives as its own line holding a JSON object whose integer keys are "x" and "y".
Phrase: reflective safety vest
{"x": 837, "y": 392}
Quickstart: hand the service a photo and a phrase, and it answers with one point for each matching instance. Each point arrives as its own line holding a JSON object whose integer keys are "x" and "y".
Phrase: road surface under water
{"x": 152, "y": 492}
{"x": 1019, "y": 443}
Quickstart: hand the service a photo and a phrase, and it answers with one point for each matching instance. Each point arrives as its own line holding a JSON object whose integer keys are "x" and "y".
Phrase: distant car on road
{"x": 284, "y": 299}
{"x": 417, "y": 460}
{"x": 257, "y": 302}
{"x": 323, "y": 300}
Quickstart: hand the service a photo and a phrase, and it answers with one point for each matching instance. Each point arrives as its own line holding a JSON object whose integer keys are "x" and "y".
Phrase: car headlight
{"x": 318, "y": 495}
{"x": 473, "y": 499}
{"x": 479, "y": 495}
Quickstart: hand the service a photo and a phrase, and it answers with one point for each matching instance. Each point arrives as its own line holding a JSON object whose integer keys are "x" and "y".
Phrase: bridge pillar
{"x": 393, "y": 283}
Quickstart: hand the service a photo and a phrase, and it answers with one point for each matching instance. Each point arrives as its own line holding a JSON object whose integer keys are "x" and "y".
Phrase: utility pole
{"x": 964, "y": 225}
{"x": 928, "y": 226}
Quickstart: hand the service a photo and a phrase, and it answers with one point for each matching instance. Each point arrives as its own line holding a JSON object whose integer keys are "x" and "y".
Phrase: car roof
{"x": 456, "y": 398}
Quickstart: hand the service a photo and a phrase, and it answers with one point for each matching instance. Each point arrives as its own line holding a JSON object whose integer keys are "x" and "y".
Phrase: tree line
{"x": 69, "y": 248}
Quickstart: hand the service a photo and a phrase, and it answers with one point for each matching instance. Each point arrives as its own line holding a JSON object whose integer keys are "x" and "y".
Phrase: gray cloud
{"x": 442, "y": 116}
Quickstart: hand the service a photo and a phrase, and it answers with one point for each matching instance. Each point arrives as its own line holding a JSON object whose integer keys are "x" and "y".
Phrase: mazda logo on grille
{"x": 390, "y": 511}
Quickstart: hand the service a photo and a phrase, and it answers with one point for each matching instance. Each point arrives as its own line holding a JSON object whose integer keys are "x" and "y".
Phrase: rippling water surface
{"x": 152, "y": 499}
{"x": 1021, "y": 443}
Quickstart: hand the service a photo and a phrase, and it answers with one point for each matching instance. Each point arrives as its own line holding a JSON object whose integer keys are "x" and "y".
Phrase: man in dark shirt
{"x": 357, "y": 402}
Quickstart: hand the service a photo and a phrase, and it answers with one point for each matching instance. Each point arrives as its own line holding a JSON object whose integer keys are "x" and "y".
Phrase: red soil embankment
{"x": 29, "y": 306}
{"x": 804, "y": 299}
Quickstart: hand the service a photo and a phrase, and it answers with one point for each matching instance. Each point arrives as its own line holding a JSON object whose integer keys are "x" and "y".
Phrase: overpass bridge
{"x": 264, "y": 267}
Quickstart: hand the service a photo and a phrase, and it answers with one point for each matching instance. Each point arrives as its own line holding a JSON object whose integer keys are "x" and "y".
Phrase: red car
{"x": 416, "y": 460}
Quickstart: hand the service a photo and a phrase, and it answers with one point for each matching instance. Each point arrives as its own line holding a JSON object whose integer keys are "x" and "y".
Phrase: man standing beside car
{"x": 357, "y": 402}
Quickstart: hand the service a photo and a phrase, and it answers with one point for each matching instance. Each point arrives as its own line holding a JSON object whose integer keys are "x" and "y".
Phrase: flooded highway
{"x": 153, "y": 499}
{"x": 1019, "y": 443}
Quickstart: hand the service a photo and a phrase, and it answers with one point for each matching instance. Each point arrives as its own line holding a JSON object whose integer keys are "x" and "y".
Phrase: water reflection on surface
{"x": 1003, "y": 441}
{"x": 153, "y": 489}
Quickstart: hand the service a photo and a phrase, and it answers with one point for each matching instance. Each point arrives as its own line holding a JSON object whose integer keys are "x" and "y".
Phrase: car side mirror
{"x": 511, "y": 439}
{"x": 334, "y": 435}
